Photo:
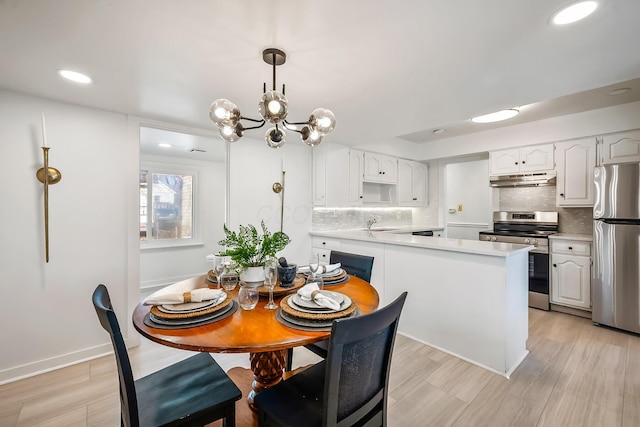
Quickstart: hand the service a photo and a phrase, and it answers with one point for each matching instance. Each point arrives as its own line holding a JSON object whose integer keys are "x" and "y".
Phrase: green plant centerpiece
{"x": 247, "y": 248}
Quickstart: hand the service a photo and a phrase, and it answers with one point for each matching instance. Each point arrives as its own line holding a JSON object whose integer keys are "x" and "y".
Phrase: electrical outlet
{"x": 459, "y": 208}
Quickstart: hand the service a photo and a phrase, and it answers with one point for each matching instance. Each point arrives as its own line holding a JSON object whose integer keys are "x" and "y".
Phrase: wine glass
{"x": 314, "y": 265}
{"x": 270, "y": 279}
{"x": 219, "y": 267}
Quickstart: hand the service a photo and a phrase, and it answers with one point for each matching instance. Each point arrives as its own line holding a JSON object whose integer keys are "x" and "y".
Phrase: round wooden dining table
{"x": 256, "y": 331}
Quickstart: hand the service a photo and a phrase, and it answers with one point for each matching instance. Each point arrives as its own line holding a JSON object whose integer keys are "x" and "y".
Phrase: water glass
{"x": 248, "y": 296}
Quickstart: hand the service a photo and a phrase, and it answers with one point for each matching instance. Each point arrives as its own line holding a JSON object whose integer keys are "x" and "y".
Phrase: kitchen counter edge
{"x": 436, "y": 243}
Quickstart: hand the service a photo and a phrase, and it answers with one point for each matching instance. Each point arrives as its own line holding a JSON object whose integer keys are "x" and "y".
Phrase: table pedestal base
{"x": 267, "y": 368}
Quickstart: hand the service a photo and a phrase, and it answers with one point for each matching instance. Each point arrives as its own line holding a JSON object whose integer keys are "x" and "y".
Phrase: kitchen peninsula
{"x": 466, "y": 297}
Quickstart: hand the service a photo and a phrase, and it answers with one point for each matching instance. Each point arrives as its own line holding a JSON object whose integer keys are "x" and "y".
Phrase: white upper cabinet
{"x": 330, "y": 170}
{"x": 535, "y": 158}
{"x": 380, "y": 168}
{"x": 318, "y": 178}
{"x": 356, "y": 171}
{"x": 412, "y": 183}
{"x": 620, "y": 148}
{"x": 575, "y": 161}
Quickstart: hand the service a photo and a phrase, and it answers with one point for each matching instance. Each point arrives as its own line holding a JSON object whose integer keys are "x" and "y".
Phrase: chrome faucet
{"x": 370, "y": 223}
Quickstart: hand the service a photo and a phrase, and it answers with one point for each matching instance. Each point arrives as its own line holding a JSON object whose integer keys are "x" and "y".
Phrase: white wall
{"x": 47, "y": 315}
{"x": 168, "y": 265}
{"x": 393, "y": 147}
{"x": 254, "y": 168}
{"x": 590, "y": 123}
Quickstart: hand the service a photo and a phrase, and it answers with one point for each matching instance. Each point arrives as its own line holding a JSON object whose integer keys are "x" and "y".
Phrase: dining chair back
{"x": 193, "y": 392}
{"x": 350, "y": 387}
{"x": 354, "y": 264}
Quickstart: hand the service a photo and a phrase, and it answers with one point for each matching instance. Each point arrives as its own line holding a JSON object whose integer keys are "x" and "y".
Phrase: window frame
{"x": 152, "y": 167}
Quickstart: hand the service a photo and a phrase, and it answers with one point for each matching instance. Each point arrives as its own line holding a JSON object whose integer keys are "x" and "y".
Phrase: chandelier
{"x": 273, "y": 107}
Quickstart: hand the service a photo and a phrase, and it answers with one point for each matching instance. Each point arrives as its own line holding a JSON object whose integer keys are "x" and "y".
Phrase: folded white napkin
{"x": 195, "y": 295}
{"x": 323, "y": 268}
{"x": 311, "y": 292}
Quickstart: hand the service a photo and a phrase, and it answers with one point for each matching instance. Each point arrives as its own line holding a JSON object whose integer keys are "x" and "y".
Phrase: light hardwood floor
{"x": 576, "y": 374}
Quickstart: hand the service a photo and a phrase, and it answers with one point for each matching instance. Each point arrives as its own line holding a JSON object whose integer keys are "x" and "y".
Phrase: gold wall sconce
{"x": 48, "y": 176}
{"x": 278, "y": 187}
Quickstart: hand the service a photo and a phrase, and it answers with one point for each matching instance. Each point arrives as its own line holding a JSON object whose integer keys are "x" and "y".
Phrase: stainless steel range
{"x": 528, "y": 228}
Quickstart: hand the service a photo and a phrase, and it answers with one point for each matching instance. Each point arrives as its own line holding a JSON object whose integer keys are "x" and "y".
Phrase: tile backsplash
{"x": 353, "y": 218}
{"x": 570, "y": 220}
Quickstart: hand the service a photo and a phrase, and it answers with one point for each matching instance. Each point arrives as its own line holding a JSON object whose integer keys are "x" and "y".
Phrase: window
{"x": 166, "y": 206}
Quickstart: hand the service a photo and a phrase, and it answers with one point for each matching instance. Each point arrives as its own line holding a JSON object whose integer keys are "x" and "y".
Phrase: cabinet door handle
{"x": 554, "y": 265}
{"x": 415, "y": 198}
{"x": 561, "y": 194}
{"x": 523, "y": 162}
{"x": 516, "y": 163}
{"x": 570, "y": 248}
{"x": 324, "y": 243}
{"x": 361, "y": 197}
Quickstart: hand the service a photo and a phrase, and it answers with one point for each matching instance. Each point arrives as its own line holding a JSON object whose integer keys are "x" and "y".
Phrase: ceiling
{"x": 387, "y": 69}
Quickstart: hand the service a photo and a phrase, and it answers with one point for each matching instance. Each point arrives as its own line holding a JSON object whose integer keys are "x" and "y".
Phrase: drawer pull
{"x": 570, "y": 248}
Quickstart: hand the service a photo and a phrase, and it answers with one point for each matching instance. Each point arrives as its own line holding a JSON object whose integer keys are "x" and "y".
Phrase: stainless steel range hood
{"x": 523, "y": 180}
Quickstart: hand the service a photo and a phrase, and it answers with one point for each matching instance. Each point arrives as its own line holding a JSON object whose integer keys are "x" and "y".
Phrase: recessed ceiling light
{"x": 164, "y": 145}
{"x": 75, "y": 76}
{"x": 496, "y": 117}
{"x": 620, "y": 91}
{"x": 574, "y": 12}
{"x": 439, "y": 130}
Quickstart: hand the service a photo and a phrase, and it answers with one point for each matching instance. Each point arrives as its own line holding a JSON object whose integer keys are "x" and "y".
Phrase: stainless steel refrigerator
{"x": 615, "y": 284}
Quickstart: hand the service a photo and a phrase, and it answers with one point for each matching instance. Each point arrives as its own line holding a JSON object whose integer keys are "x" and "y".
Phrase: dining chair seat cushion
{"x": 187, "y": 387}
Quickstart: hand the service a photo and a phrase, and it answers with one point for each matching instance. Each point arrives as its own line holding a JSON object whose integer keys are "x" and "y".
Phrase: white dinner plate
{"x": 189, "y": 307}
{"x": 346, "y": 303}
{"x": 337, "y": 297}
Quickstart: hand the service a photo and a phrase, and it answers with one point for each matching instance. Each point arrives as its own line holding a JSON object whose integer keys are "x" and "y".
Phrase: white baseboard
{"x": 47, "y": 365}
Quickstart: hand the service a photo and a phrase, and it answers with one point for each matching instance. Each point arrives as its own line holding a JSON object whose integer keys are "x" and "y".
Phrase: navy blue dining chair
{"x": 193, "y": 392}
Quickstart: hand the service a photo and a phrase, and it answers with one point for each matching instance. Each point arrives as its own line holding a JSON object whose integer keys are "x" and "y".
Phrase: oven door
{"x": 539, "y": 279}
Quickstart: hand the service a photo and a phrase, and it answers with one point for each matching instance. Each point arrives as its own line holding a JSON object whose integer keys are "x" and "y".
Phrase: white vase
{"x": 253, "y": 275}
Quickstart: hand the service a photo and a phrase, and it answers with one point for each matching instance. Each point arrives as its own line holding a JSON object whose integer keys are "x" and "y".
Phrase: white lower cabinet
{"x": 571, "y": 273}
{"x": 323, "y": 247}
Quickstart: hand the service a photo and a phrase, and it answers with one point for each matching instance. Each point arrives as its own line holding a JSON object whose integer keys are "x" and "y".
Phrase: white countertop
{"x": 437, "y": 243}
{"x": 572, "y": 236}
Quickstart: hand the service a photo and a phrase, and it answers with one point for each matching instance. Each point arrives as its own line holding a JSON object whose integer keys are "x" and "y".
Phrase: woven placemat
{"x": 337, "y": 278}
{"x": 284, "y": 305}
{"x": 212, "y": 318}
{"x": 208, "y": 310}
